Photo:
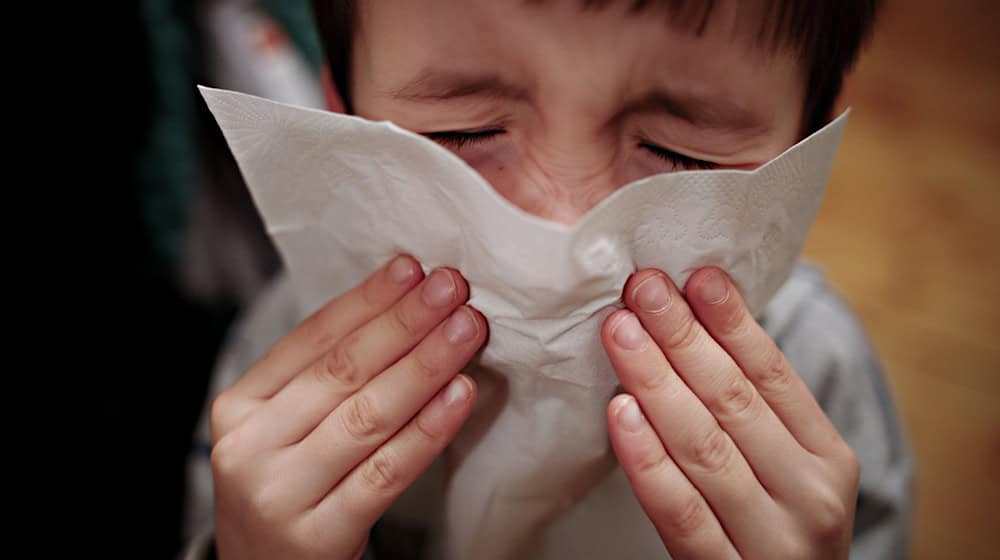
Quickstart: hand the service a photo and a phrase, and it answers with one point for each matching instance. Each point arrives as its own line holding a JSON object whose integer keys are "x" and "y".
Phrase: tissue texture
{"x": 342, "y": 195}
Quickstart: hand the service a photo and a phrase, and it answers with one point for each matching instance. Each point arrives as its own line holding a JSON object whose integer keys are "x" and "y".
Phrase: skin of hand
{"x": 726, "y": 449}
{"x": 319, "y": 437}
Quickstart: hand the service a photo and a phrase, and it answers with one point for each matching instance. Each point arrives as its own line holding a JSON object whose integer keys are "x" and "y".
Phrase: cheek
{"x": 640, "y": 165}
{"x": 504, "y": 170}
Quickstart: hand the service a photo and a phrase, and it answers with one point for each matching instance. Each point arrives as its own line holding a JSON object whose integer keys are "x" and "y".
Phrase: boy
{"x": 557, "y": 104}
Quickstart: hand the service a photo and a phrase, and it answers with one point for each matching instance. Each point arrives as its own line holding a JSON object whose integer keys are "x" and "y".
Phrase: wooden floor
{"x": 910, "y": 235}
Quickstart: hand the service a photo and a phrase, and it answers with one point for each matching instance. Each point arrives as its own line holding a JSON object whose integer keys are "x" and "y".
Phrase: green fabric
{"x": 168, "y": 167}
{"x": 297, "y": 19}
{"x": 168, "y": 164}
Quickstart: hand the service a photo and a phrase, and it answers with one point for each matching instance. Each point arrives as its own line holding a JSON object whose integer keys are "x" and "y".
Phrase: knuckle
{"x": 371, "y": 292}
{"x": 712, "y": 453}
{"x": 687, "y": 517}
{"x": 310, "y": 537}
{"x": 829, "y": 516}
{"x": 220, "y": 413}
{"x": 268, "y": 503}
{"x": 315, "y": 328}
{"x": 339, "y": 365}
{"x": 851, "y": 465}
{"x": 776, "y": 377}
{"x": 855, "y": 466}
{"x": 225, "y": 457}
{"x": 312, "y": 328}
{"x": 684, "y": 334}
{"x": 382, "y": 473}
{"x": 734, "y": 322}
{"x": 406, "y": 321}
{"x": 423, "y": 367}
{"x": 359, "y": 417}
{"x": 652, "y": 463}
{"x": 324, "y": 338}
{"x": 736, "y": 401}
{"x": 654, "y": 380}
{"x": 428, "y": 429}
{"x": 792, "y": 546}
{"x": 657, "y": 380}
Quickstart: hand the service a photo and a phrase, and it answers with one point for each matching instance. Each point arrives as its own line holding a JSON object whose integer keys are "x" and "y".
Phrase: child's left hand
{"x": 730, "y": 456}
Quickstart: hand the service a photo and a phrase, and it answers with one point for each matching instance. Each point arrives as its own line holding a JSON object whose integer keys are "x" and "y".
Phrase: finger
{"x": 717, "y": 380}
{"x": 682, "y": 517}
{"x": 691, "y": 435}
{"x": 317, "y": 333}
{"x": 370, "y": 488}
{"x": 354, "y": 360}
{"x": 371, "y": 416}
{"x": 719, "y": 306}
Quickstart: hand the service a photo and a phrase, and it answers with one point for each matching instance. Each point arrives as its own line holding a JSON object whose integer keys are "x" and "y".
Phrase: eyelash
{"x": 679, "y": 160}
{"x": 461, "y": 138}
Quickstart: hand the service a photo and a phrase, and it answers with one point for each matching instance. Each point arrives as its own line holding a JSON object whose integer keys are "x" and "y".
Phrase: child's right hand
{"x": 314, "y": 443}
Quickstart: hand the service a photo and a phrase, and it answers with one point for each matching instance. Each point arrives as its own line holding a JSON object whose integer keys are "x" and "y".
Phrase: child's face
{"x": 561, "y": 105}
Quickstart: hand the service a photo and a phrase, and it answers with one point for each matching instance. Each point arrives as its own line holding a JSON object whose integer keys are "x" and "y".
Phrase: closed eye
{"x": 461, "y": 138}
{"x": 678, "y": 160}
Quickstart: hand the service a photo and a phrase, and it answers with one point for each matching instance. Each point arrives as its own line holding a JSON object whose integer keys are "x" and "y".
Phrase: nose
{"x": 559, "y": 189}
{"x": 566, "y": 202}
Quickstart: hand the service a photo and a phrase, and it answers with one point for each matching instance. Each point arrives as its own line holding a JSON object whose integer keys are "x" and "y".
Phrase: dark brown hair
{"x": 827, "y": 34}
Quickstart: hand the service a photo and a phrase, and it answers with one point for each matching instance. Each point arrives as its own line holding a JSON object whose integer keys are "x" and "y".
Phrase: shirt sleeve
{"x": 827, "y": 345}
{"x": 272, "y": 315}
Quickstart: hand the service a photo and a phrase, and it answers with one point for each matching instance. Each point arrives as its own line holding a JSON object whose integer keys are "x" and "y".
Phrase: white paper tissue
{"x": 342, "y": 195}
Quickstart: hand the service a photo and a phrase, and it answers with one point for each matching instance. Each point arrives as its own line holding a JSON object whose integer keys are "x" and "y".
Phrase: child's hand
{"x": 732, "y": 457}
{"x": 318, "y": 438}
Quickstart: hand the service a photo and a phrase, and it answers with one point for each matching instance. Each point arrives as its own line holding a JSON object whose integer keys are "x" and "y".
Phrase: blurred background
{"x": 908, "y": 234}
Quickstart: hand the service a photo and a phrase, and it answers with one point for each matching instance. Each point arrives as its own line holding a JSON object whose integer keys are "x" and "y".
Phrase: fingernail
{"x": 461, "y": 326}
{"x": 714, "y": 290}
{"x": 652, "y": 294}
{"x": 628, "y": 333}
{"x": 402, "y": 270}
{"x": 457, "y": 392}
{"x": 439, "y": 290}
{"x": 630, "y": 416}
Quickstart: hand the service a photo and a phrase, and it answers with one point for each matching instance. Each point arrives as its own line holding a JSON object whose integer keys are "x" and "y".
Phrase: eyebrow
{"x": 714, "y": 114}
{"x": 432, "y": 85}
{"x": 441, "y": 85}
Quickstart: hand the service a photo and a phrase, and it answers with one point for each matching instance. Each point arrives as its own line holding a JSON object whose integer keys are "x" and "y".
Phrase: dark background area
{"x": 104, "y": 324}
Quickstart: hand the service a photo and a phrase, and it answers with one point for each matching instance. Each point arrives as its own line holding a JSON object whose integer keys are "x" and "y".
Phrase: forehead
{"x": 611, "y": 47}
{"x": 648, "y": 22}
